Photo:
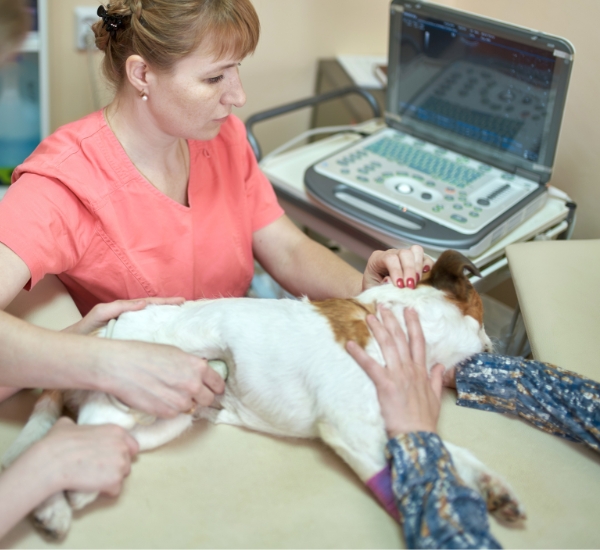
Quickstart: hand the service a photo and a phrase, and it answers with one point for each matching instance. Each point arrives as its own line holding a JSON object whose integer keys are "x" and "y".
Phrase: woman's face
{"x": 194, "y": 99}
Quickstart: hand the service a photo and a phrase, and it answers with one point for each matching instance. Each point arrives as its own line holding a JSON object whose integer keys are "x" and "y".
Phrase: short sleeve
{"x": 45, "y": 224}
{"x": 260, "y": 194}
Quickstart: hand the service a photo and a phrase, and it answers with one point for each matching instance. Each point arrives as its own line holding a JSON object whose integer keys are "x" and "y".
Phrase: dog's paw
{"x": 79, "y": 499}
{"x": 53, "y": 517}
{"x": 501, "y": 500}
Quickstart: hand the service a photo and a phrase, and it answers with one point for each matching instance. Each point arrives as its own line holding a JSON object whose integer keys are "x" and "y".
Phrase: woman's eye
{"x": 215, "y": 79}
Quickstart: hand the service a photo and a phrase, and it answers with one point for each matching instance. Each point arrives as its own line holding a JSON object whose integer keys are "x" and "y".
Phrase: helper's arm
{"x": 555, "y": 400}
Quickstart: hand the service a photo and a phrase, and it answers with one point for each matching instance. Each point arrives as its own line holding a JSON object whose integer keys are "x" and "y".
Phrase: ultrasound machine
{"x": 473, "y": 112}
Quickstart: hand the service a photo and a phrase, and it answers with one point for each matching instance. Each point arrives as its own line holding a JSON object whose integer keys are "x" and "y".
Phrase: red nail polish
{"x": 400, "y": 283}
{"x": 410, "y": 283}
{"x": 426, "y": 269}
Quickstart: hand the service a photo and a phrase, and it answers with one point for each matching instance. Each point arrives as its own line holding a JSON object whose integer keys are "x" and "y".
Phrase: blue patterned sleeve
{"x": 555, "y": 400}
{"x": 437, "y": 510}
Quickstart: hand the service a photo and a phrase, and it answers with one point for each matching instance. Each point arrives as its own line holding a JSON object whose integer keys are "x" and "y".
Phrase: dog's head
{"x": 448, "y": 275}
{"x": 449, "y": 308}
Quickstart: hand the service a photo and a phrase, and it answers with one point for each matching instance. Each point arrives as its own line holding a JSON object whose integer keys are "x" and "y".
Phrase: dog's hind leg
{"x": 500, "y": 498}
{"x": 362, "y": 448}
{"x": 161, "y": 431}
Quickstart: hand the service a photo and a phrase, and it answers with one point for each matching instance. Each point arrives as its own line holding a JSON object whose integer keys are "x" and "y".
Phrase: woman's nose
{"x": 235, "y": 94}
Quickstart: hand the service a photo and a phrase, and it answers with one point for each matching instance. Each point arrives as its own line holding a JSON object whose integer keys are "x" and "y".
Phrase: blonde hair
{"x": 14, "y": 23}
{"x": 164, "y": 31}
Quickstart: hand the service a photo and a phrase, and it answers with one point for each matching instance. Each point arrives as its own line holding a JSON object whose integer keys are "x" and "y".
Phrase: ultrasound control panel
{"x": 415, "y": 176}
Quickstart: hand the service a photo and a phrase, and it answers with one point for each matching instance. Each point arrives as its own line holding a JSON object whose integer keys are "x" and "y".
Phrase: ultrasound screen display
{"x": 461, "y": 81}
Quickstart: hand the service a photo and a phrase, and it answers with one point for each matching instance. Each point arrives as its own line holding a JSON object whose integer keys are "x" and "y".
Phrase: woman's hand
{"x": 403, "y": 267}
{"x": 409, "y": 398}
{"x": 70, "y": 457}
{"x": 158, "y": 379}
{"x": 101, "y": 314}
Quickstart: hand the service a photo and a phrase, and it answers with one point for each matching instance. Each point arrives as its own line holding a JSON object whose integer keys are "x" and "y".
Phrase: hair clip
{"x": 112, "y": 23}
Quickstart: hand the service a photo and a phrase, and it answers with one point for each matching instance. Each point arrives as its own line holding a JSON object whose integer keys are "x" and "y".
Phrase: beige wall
{"x": 296, "y": 33}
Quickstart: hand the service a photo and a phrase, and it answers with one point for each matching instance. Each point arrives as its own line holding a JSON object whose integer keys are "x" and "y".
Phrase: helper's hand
{"x": 409, "y": 398}
{"x": 101, "y": 314}
{"x": 158, "y": 379}
{"x": 83, "y": 458}
{"x": 70, "y": 457}
{"x": 403, "y": 267}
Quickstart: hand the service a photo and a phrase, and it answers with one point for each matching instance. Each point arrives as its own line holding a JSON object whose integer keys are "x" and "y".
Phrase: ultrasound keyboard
{"x": 448, "y": 188}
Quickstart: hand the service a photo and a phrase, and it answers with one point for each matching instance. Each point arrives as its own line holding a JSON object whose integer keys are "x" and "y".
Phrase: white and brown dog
{"x": 288, "y": 374}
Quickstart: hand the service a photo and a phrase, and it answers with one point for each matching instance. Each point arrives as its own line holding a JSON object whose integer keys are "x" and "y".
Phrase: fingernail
{"x": 410, "y": 283}
{"x": 386, "y": 280}
{"x": 400, "y": 283}
{"x": 426, "y": 269}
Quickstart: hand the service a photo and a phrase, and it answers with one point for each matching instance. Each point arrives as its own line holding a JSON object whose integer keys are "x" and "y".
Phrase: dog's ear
{"x": 448, "y": 275}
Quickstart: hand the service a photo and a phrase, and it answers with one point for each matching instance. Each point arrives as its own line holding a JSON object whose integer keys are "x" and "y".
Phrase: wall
{"x": 296, "y": 33}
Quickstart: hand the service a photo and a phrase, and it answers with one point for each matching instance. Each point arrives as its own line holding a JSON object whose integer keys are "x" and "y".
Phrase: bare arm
{"x": 158, "y": 379}
{"x": 301, "y": 265}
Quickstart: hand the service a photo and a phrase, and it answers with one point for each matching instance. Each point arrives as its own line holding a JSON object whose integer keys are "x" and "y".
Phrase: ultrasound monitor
{"x": 477, "y": 86}
{"x": 473, "y": 111}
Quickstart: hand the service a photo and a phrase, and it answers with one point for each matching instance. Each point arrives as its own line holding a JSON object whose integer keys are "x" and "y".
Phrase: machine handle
{"x": 300, "y": 104}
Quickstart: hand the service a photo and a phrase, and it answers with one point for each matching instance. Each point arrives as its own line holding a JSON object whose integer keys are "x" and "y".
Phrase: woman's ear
{"x": 137, "y": 72}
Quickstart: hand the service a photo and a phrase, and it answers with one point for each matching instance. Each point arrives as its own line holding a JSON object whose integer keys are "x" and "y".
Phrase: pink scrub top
{"x": 79, "y": 208}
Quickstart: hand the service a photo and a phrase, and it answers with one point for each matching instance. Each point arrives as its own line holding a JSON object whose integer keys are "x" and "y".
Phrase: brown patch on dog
{"x": 347, "y": 319}
{"x": 448, "y": 275}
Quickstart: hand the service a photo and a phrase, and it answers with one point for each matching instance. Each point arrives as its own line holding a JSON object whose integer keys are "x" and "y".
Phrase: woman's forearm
{"x": 22, "y": 487}
{"x": 303, "y": 266}
{"x": 35, "y": 357}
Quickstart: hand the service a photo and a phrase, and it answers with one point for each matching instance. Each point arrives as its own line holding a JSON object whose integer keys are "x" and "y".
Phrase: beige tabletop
{"x": 225, "y": 487}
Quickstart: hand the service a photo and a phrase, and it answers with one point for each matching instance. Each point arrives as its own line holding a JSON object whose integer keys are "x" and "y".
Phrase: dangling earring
{"x": 143, "y": 96}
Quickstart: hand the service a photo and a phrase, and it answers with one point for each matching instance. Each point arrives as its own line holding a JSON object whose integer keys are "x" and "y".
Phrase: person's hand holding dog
{"x": 408, "y": 396}
{"x": 158, "y": 379}
{"x": 402, "y": 267}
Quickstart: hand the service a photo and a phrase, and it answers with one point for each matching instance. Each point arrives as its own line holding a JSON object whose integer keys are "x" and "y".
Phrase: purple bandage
{"x": 381, "y": 485}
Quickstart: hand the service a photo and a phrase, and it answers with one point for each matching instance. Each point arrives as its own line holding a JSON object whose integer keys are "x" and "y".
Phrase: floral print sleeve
{"x": 555, "y": 400}
{"x": 437, "y": 510}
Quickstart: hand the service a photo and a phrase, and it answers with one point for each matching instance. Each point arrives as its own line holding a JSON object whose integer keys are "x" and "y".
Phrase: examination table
{"x": 226, "y": 487}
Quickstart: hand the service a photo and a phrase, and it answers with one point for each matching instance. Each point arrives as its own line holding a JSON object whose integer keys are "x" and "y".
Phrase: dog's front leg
{"x": 498, "y": 495}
